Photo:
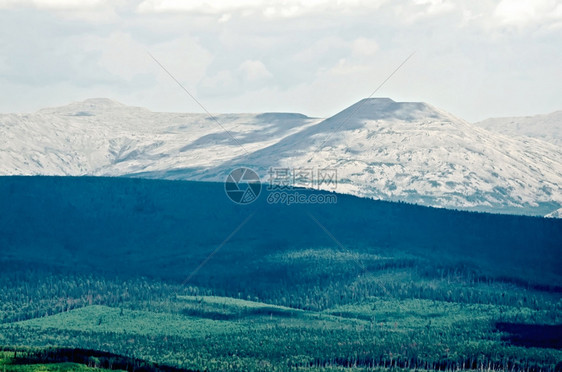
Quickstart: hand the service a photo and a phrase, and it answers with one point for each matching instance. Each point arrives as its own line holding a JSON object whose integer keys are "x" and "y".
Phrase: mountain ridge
{"x": 547, "y": 127}
{"x": 382, "y": 149}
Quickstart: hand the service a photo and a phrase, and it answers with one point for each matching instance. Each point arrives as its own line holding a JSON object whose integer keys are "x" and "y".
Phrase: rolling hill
{"x": 161, "y": 229}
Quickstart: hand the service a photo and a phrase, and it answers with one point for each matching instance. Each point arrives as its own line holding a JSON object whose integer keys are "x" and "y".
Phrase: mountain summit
{"x": 386, "y": 108}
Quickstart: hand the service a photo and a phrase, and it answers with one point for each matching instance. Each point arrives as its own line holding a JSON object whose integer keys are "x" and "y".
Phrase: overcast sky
{"x": 475, "y": 59}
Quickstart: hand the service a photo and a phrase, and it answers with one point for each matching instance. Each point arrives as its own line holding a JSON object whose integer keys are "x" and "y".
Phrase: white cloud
{"x": 199, "y": 6}
{"x": 310, "y": 55}
{"x": 220, "y": 84}
{"x": 415, "y": 10}
{"x": 251, "y": 75}
{"x": 53, "y": 4}
{"x": 225, "y": 17}
{"x": 268, "y": 8}
{"x": 121, "y": 55}
{"x": 91, "y": 11}
{"x": 253, "y": 70}
{"x": 321, "y": 50}
{"x": 523, "y": 12}
{"x": 283, "y": 11}
{"x": 433, "y": 7}
{"x": 364, "y": 47}
{"x": 185, "y": 58}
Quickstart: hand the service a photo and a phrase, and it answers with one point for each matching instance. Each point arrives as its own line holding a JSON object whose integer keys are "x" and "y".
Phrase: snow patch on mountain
{"x": 408, "y": 151}
{"x": 417, "y": 153}
{"x": 104, "y": 137}
{"x": 546, "y": 127}
{"x": 555, "y": 214}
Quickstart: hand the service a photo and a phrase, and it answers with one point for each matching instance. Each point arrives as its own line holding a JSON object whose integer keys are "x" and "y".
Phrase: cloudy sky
{"x": 475, "y": 59}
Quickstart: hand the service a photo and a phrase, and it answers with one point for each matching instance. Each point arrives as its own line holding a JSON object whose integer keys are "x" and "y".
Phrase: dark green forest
{"x": 175, "y": 274}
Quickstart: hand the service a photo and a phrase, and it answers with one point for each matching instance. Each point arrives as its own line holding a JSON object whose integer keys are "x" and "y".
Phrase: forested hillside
{"x": 175, "y": 273}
